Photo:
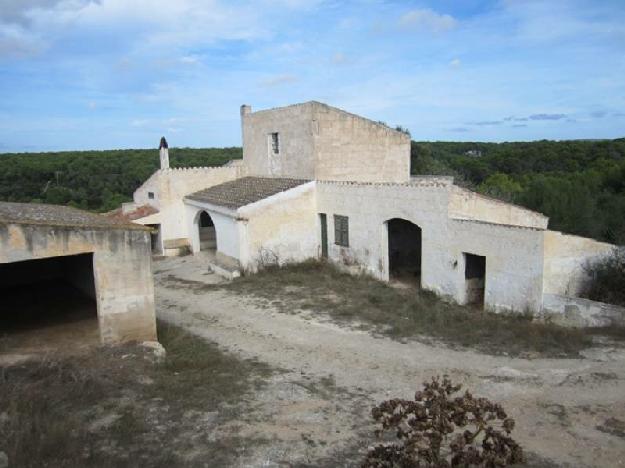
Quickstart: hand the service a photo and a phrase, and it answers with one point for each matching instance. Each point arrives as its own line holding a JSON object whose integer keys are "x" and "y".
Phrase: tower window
{"x": 275, "y": 143}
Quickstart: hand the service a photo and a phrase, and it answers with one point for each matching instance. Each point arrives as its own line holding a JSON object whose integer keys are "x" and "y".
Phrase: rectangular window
{"x": 341, "y": 230}
{"x": 151, "y": 195}
{"x": 275, "y": 143}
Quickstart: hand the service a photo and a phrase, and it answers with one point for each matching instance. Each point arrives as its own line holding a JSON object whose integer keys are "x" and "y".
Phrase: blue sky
{"x": 80, "y": 74}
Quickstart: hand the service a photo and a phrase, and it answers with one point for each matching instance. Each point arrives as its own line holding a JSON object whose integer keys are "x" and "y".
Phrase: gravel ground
{"x": 315, "y": 412}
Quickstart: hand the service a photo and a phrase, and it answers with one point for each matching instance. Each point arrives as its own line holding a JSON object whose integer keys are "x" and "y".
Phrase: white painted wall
{"x": 513, "y": 255}
{"x": 226, "y": 227}
{"x": 279, "y": 228}
{"x": 466, "y": 204}
{"x": 170, "y": 186}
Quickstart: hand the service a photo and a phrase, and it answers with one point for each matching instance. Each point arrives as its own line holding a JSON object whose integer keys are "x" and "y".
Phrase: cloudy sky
{"x": 87, "y": 74}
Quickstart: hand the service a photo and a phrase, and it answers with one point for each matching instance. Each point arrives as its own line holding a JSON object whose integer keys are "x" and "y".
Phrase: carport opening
{"x": 404, "y": 250}
{"x": 208, "y": 236}
{"x": 48, "y": 304}
{"x": 475, "y": 278}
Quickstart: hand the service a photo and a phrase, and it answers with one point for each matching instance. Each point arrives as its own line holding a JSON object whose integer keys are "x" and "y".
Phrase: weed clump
{"x": 607, "y": 279}
{"x": 437, "y": 430}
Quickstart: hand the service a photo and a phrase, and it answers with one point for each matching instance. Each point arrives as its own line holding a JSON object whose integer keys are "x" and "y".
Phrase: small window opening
{"x": 151, "y": 195}
{"x": 341, "y": 230}
{"x": 275, "y": 143}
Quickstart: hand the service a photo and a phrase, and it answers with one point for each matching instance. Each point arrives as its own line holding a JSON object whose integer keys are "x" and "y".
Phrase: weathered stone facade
{"x": 359, "y": 170}
{"x": 124, "y": 290}
{"x": 320, "y": 142}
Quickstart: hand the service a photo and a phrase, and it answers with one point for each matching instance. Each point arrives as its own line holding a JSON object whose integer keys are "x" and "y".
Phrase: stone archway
{"x": 206, "y": 231}
{"x": 404, "y": 250}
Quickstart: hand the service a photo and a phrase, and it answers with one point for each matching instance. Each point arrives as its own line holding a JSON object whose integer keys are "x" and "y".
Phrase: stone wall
{"x": 279, "y": 229}
{"x": 514, "y": 263}
{"x": 170, "y": 186}
{"x": 121, "y": 266}
{"x": 350, "y": 147}
{"x": 296, "y": 158}
{"x": 566, "y": 257}
{"x": 465, "y": 204}
{"x": 513, "y": 255}
{"x": 578, "y": 312}
{"x": 321, "y": 142}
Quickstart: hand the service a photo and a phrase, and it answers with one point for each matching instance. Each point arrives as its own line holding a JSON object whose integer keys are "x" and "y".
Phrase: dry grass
{"x": 406, "y": 313}
{"x": 117, "y": 407}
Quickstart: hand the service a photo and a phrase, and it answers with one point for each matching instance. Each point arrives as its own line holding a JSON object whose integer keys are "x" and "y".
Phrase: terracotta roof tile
{"x": 243, "y": 191}
{"x": 56, "y": 215}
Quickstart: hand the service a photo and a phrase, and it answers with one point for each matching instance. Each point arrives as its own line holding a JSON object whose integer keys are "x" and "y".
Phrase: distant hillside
{"x": 579, "y": 184}
{"x": 93, "y": 180}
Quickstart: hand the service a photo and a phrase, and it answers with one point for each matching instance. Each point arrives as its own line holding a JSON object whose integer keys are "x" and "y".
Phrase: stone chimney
{"x": 245, "y": 109}
{"x": 164, "y": 152}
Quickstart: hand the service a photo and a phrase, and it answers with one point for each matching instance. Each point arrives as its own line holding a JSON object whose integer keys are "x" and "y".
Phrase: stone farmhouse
{"x": 318, "y": 182}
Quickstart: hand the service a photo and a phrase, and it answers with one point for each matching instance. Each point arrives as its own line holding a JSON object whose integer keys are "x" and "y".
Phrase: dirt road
{"x": 569, "y": 412}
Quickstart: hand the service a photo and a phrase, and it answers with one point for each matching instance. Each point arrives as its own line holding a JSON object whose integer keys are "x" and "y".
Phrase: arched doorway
{"x": 208, "y": 236}
{"x": 404, "y": 250}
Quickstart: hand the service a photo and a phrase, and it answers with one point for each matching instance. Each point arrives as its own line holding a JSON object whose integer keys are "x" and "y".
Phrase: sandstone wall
{"x": 565, "y": 259}
{"x": 170, "y": 186}
{"x": 321, "y": 142}
{"x": 121, "y": 266}
{"x": 513, "y": 255}
{"x": 349, "y": 147}
{"x": 296, "y": 157}
{"x": 279, "y": 229}
{"x": 465, "y": 204}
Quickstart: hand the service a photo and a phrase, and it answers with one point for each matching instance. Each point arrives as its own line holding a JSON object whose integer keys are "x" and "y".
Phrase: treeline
{"x": 93, "y": 180}
{"x": 579, "y": 184}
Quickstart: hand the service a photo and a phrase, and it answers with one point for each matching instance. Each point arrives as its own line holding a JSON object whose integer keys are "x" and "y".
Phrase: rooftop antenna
{"x": 164, "y": 152}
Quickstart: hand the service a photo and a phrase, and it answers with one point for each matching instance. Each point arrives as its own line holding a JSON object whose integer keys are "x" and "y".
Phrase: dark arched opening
{"x": 404, "y": 250}
{"x": 208, "y": 236}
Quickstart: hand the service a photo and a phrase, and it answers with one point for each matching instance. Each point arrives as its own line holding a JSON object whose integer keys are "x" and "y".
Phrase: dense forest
{"x": 93, "y": 180}
{"x": 579, "y": 184}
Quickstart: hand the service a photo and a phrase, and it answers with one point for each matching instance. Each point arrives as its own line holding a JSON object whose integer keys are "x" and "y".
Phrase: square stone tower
{"x": 316, "y": 141}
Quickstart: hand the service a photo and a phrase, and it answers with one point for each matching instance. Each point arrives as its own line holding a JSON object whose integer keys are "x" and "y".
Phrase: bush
{"x": 430, "y": 430}
{"x": 607, "y": 279}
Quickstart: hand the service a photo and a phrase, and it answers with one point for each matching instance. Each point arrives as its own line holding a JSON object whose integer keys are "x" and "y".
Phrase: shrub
{"x": 430, "y": 431}
{"x": 607, "y": 279}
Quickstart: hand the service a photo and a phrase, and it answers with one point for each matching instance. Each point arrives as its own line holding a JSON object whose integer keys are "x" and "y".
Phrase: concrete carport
{"x": 60, "y": 266}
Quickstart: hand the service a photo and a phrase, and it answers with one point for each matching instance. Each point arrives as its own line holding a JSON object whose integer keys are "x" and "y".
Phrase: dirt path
{"x": 568, "y": 411}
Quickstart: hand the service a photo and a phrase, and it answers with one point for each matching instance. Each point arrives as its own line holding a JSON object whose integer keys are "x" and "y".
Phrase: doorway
{"x": 475, "y": 278}
{"x": 404, "y": 250}
{"x": 323, "y": 220}
{"x": 208, "y": 235}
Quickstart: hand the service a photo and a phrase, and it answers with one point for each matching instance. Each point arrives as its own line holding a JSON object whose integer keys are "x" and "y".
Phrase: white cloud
{"x": 339, "y": 58}
{"x": 278, "y": 80}
{"x": 455, "y": 63}
{"x": 426, "y": 19}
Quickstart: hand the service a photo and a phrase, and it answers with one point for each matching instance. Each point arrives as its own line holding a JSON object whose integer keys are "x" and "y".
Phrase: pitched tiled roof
{"x": 56, "y": 215}
{"x": 243, "y": 191}
{"x": 137, "y": 213}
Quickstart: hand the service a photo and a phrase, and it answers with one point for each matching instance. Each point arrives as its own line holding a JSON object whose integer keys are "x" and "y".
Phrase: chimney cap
{"x": 163, "y": 143}
{"x": 246, "y": 109}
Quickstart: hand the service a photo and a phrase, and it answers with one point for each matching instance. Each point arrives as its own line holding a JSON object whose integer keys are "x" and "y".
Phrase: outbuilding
{"x": 69, "y": 273}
